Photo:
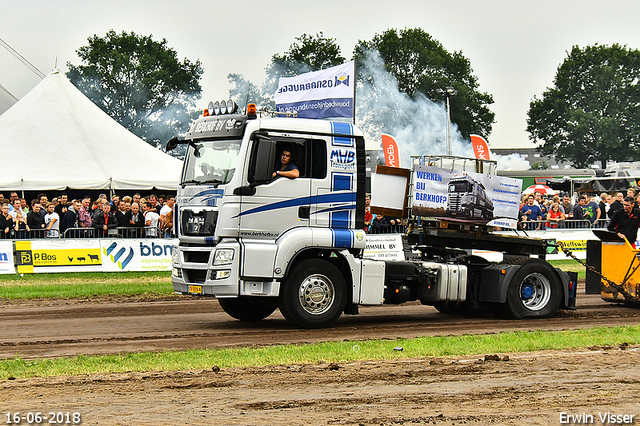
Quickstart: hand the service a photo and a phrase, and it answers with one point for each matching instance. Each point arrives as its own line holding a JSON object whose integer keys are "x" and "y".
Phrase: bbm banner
{"x": 120, "y": 255}
{"x": 489, "y": 199}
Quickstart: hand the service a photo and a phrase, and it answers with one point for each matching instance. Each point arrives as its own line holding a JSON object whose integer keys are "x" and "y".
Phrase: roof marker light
{"x": 252, "y": 111}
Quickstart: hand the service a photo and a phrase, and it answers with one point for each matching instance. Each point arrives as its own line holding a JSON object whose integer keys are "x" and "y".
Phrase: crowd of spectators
{"x": 580, "y": 211}
{"x": 379, "y": 223}
{"x": 135, "y": 216}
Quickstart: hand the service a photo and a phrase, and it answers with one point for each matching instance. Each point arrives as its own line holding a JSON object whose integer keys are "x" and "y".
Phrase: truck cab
{"x": 242, "y": 231}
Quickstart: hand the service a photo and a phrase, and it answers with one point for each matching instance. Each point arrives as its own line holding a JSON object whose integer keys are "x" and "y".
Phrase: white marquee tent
{"x": 6, "y": 99}
{"x": 55, "y": 137}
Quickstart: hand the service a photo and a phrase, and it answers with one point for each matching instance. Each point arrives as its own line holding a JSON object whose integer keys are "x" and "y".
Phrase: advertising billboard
{"x": 90, "y": 255}
{"x": 6, "y": 258}
{"x": 474, "y": 197}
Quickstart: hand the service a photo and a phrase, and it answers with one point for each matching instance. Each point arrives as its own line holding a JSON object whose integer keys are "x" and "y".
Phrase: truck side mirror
{"x": 171, "y": 144}
{"x": 265, "y": 159}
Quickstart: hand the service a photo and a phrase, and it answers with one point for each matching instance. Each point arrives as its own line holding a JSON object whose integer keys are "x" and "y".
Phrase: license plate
{"x": 195, "y": 289}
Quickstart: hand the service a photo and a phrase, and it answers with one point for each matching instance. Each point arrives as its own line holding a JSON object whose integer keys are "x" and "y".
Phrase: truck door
{"x": 280, "y": 203}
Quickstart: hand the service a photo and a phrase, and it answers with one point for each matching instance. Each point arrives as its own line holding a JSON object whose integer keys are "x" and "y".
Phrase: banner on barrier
{"x": 137, "y": 254}
{"x": 35, "y": 256}
{"x": 6, "y": 258}
{"x": 91, "y": 255}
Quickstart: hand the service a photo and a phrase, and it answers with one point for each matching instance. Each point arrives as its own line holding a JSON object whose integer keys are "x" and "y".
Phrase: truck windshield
{"x": 462, "y": 186}
{"x": 211, "y": 161}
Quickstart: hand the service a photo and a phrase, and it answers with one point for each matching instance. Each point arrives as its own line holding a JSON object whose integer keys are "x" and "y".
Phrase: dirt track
{"x": 530, "y": 389}
{"x": 65, "y": 328}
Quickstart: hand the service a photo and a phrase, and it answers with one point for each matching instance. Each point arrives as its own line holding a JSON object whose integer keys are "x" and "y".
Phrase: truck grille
{"x": 194, "y": 275}
{"x": 454, "y": 202}
{"x": 201, "y": 223}
{"x": 196, "y": 256}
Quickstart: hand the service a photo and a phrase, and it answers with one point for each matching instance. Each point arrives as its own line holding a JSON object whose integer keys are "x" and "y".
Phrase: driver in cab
{"x": 288, "y": 168}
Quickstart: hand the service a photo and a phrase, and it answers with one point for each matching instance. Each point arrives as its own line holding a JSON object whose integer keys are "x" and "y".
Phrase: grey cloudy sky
{"x": 514, "y": 46}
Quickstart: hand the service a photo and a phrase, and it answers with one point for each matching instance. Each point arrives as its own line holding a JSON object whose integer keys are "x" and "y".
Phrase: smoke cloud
{"x": 511, "y": 162}
{"x": 419, "y": 125}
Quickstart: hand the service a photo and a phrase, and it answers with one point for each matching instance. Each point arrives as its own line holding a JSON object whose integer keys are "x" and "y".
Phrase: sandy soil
{"x": 513, "y": 389}
{"x": 505, "y": 389}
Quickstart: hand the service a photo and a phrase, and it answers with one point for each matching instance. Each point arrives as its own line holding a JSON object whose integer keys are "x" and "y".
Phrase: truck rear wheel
{"x": 535, "y": 291}
{"x": 245, "y": 309}
{"x": 314, "y": 294}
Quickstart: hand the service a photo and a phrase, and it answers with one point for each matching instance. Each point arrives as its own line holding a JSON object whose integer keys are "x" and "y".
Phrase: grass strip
{"x": 344, "y": 351}
{"x": 84, "y": 284}
{"x": 570, "y": 265}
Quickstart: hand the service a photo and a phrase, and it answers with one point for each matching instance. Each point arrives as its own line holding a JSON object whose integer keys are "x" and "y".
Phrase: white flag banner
{"x": 319, "y": 94}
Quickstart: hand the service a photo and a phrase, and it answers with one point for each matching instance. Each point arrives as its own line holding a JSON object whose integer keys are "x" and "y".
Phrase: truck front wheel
{"x": 245, "y": 309}
{"x": 535, "y": 291}
{"x": 314, "y": 294}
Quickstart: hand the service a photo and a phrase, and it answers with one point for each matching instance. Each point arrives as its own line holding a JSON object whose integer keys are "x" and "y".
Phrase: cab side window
{"x": 309, "y": 156}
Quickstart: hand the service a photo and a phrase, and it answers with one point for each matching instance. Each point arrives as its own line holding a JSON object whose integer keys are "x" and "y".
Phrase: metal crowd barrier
{"x": 526, "y": 225}
{"x": 120, "y": 232}
{"x": 562, "y": 224}
{"x": 23, "y": 234}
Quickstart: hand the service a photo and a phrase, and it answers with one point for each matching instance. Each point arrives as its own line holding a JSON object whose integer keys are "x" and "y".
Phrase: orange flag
{"x": 480, "y": 147}
{"x": 391, "y": 151}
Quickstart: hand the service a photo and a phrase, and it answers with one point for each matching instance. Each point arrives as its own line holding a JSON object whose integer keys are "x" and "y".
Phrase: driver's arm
{"x": 291, "y": 174}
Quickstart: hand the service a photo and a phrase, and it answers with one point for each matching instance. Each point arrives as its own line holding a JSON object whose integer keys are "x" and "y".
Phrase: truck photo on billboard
{"x": 476, "y": 197}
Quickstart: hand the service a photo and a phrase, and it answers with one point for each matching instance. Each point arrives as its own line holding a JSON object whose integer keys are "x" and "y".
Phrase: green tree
{"x": 540, "y": 165}
{"x": 423, "y": 67}
{"x": 308, "y": 53}
{"x": 139, "y": 82}
{"x": 592, "y": 112}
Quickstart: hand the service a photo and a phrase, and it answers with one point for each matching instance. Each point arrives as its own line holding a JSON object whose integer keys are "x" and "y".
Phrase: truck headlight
{"x": 174, "y": 254}
{"x": 223, "y": 257}
{"x": 221, "y": 274}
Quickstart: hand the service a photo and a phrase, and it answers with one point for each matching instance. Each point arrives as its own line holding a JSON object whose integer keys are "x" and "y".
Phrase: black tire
{"x": 535, "y": 291}
{"x": 314, "y": 294}
{"x": 246, "y": 309}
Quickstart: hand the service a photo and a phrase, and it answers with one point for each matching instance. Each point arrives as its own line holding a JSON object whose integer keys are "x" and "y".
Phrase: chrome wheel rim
{"x": 317, "y": 294}
{"x": 535, "y": 291}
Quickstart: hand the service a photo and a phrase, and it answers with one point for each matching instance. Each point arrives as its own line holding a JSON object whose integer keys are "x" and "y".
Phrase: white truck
{"x": 468, "y": 199}
{"x": 259, "y": 243}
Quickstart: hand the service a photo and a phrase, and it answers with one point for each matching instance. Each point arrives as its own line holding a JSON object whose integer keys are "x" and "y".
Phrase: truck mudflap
{"x": 531, "y": 288}
{"x": 570, "y": 287}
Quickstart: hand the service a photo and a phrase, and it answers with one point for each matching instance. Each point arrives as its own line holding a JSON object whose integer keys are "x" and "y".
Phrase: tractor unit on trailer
{"x": 260, "y": 243}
